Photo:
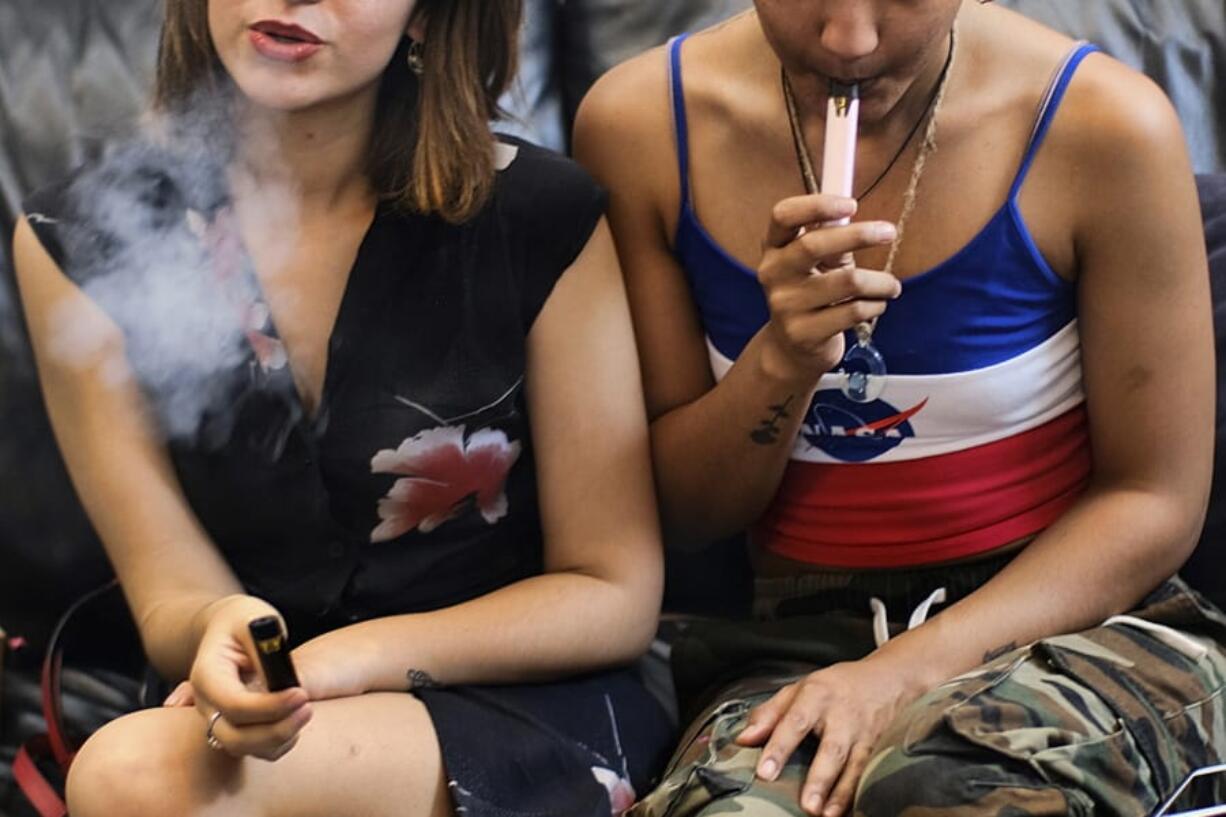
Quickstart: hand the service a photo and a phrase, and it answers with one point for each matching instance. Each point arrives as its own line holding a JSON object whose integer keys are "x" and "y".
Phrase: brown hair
{"x": 431, "y": 150}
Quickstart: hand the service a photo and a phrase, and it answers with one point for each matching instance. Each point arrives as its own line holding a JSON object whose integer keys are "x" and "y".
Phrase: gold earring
{"x": 417, "y": 58}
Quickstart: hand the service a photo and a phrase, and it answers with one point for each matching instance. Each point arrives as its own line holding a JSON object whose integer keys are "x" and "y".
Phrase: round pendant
{"x": 863, "y": 373}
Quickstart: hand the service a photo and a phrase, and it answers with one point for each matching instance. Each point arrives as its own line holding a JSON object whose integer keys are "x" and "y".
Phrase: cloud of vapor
{"x": 151, "y": 238}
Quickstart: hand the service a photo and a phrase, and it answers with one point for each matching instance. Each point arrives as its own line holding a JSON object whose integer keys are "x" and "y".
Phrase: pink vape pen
{"x": 839, "y": 155}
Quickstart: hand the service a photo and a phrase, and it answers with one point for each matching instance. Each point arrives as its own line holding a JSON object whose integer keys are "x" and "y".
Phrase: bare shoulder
{"x": 33, "y": 264}
{"x": 1128, "y": 164}
{"x": 625, "y": 112}
{"x": 623, "y": 137}
{"x": 1116, "y": 114}
{"x": 1118, "y": 149}
{"x": 636, "y": 95}
{"x": 1109, "y": 108}
{"x": 25, "y": 242}
{"x": 627, "y": 116}
{"x": 1119, "y": 169}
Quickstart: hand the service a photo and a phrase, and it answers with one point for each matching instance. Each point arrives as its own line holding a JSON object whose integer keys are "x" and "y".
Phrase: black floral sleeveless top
{"x": 413, "y": 486}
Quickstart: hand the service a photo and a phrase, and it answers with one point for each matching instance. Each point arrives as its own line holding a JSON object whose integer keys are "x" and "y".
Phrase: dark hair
{"x": 432, "y": 150}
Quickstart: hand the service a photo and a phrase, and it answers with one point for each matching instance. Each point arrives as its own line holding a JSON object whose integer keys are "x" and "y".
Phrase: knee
{"x": 130, "y": 767}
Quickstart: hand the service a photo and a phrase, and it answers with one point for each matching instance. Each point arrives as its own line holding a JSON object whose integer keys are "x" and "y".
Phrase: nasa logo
{"x": 856, "y": 432}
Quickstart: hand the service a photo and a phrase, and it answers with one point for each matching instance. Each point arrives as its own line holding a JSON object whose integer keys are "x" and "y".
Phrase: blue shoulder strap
{"x": 680, "y": 127}
{"x": 1047, "y": 110}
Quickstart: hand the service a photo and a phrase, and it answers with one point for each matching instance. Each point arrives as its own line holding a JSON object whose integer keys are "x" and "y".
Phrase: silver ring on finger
{"x": 210, "y": 737}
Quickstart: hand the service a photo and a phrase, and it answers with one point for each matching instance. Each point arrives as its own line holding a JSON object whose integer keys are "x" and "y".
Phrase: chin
{"x": 874, "y": 110}
{"x": 878, "y": 104}
{"x": 279, "y": 95}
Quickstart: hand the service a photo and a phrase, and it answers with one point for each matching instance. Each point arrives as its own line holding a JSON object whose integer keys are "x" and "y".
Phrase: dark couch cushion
{"x": 1180, "y": 44}
{"x": 71, "y": 75}
{"x": 1207, "y": 568}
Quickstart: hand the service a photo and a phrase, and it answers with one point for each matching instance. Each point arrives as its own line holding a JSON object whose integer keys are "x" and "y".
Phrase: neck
{"x": 317, "y": 155}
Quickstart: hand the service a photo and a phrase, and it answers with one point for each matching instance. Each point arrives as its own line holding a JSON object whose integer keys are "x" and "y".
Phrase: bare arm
{"x": 719, "y": 450}
{"x": 172, "y": 575}
{"x": 598, "y": 600}
{"x": 1147, "y": 355}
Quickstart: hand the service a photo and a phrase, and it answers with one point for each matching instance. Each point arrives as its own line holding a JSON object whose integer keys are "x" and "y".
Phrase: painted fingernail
{"x": 884, "y": 231}
{"x": 768, "y": 769}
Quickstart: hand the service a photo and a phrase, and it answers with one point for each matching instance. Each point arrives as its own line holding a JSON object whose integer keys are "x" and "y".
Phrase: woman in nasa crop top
{"x": 1036, "y": 464}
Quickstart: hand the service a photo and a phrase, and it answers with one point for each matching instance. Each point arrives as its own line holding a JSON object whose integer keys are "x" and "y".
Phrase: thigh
{"x": 375, "y": 754}
{"x": 711, "y": 775}
{"x": 371, "y": 755}
{"x": 1107, "y": 721}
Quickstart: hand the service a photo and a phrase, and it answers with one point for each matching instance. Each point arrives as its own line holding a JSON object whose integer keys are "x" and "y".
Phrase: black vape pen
{"x": 274, "y": 657}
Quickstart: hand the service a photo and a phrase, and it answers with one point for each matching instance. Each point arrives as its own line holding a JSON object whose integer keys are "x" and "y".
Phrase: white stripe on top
{"x": 959, "y": 411}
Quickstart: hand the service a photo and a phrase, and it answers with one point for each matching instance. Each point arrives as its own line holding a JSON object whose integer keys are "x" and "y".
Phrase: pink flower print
{"x": 269, "y": 352}
{"x": 621, "y": 793}
{"x": 441, "y": 473}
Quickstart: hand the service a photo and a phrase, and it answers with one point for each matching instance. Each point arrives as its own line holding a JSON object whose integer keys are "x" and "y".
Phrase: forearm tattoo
{"x": 768, "y": 430}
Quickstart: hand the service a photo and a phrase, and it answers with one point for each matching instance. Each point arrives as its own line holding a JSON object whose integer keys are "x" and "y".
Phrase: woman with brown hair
{"x": 322, "y": 349}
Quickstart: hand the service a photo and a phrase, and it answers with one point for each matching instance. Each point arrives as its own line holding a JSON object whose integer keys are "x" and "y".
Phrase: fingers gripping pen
{"x": 274, "y": 658}
{"x": 863, "y": 364}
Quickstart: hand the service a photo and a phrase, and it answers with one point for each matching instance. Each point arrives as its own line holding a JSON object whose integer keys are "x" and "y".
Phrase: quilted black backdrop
{"x": 71, "y": 75}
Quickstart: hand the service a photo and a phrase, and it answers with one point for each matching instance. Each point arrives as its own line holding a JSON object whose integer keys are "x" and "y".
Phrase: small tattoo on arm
{"x": 420, "y": 679}
{"x": 992, "y": 655}
{"x": 768, "y": 431}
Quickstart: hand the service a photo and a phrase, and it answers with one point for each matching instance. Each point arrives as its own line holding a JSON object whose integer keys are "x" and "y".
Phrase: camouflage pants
{"x": 1103, "y": 722}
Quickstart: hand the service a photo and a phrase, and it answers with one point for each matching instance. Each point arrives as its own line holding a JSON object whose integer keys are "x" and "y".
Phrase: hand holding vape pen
{"x": 839, "y": 153}
{"x": 274, "y": 657}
